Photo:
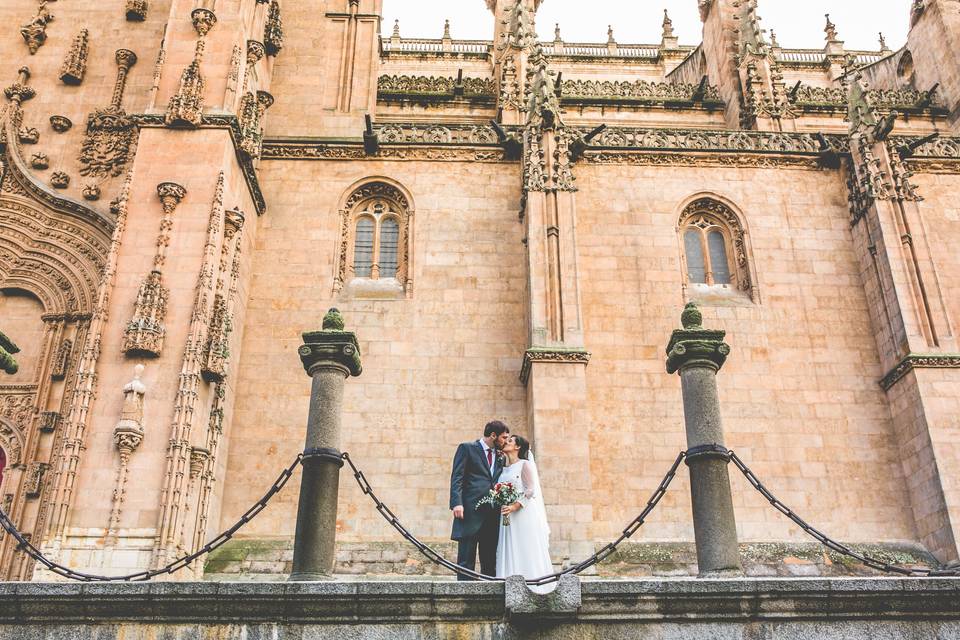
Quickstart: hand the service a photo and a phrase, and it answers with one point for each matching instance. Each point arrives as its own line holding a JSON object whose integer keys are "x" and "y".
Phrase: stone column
{"x": 329, "y": 357}
{"x": 698, "y": 354}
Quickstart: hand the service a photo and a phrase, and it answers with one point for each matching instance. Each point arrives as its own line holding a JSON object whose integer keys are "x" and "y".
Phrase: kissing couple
{"x": 519, "y": 545}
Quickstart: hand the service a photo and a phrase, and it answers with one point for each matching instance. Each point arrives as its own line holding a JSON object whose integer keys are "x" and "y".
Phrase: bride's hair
{"x": 524, "y": 445}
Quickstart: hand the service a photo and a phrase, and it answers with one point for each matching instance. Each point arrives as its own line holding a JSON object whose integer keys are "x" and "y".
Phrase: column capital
{"x": 331, "y": 346}
{"x": 694, "y": 346}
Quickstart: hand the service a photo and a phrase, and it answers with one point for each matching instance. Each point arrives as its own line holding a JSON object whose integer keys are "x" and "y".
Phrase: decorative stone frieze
{"x": 75, "y": 63}
{"x": 273, "y": 30}
{"x": 389, "y": 86}
{"x": 111, "y": 134}
{"x": 186, "y": 105}
{"x": 919, "y": 361}
{"x": 640, "y": 90}
{"x": 34, "y": 32}
{"x": 136, "y": 10}
{"x": 546, "y": 354}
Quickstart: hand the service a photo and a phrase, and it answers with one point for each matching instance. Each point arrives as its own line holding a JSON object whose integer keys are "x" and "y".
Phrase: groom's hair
{"x": 495, "y": 427}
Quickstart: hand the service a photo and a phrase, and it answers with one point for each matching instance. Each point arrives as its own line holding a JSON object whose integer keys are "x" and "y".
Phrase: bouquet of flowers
{"x": 502, "y": 495}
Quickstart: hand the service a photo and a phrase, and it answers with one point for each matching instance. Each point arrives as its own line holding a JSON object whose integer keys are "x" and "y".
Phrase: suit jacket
{"x": 470, "y": 481}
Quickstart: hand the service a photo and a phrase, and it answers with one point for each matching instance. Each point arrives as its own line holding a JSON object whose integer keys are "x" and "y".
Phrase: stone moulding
{"x": 555, "y": 355}
{"x": 640, "y": 91}
{"x": 919, "y": 361}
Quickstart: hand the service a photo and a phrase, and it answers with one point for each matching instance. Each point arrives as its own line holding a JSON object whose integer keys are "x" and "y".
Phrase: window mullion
{"x": 707, "y": 265}
{"x": 375, "y": 266}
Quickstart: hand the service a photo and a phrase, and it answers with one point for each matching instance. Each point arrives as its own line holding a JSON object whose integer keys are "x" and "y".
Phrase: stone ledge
{"x": 740, "y": 601}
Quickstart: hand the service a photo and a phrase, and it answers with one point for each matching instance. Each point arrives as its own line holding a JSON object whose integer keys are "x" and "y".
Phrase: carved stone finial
{"x": 773, "y": 39}
{"x": 331, "y": 346}
{"x": 610, "y": 38}
{"x": 556, "y": 33}
{"x": 667, "y": 25}
{"x": 333, "y": 321}
{"x": 691, "y": 318}
{"x": 446, "y": 29}
{"x": 186, "y": 105}
{"x": 255, "y": 52}
{"x": 830, "y": 30}
{"x": 203, "y": 20}
{"x": 396, "y": 29}
{"x": 75, "y": 63}
{"x": 883, "y": 44}
{"x": 694, "y": 346}
{"x": 7, "y": 348}
{"x": 170, "y": 194}
{"x": 20, "y": 91}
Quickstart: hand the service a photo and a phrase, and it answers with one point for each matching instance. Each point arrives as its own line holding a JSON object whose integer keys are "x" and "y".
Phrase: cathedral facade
{"x": 511, "y": 227}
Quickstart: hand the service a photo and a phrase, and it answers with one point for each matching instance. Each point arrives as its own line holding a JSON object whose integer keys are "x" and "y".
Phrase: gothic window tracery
{"x": 715, "y": 254}
{"x": 375, "y": 242}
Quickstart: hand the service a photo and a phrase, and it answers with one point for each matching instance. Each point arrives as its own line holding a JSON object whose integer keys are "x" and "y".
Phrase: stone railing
{"x": 400, "y": 85}
{"x": 700, "y": 140}
{"x": 881, "y": 98}
{"x": 430, "y": 45}
{"x": 818, "y": 56}
{"x": 640, "y": 90}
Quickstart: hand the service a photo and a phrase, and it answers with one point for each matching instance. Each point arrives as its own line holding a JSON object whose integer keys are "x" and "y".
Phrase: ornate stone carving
{"x": 49, "y": 421}
{"x": 216, "y": 352}
{"x": 919, "y": 361}
{"x": 136, "y": 10}
{"x": 255, "y": 52}
{"x": 75, "y": 63}
{"x": 91, "y": 192}
{"x": 545, "y": 354}
{"x": 186, "y": 105}
{"x": 903, "y": 98}
{"x": 694, "y": 345}
{"x": 145, "y": 332}
{"x": 19, "y": 92}
{"x": 563, "y": 178}
{"x": 111, "y": 133}
{"x": 34, "y": 32}
{"x": 203, "y": 21}
{"x": 273, "y": 30}
{"x": 59, "y": 180}
{"x": 404, "y": 85}
{"x": 252, "y": 110}
{"x": 61, "y": 360}
{"x": 33, "y": 482}
{"x": 40, "y": 161}
{"x": 60, "y": 124}
{"x": 640, "y": 90}
{"x": 28, "y": 135}
{"x": 127, "y": 436}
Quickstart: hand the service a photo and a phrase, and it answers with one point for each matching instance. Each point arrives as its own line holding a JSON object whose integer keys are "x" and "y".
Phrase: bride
{"x": 524, "y": 545}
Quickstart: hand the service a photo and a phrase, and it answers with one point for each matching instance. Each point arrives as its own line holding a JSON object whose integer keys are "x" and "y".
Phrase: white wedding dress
{"x": 524, "y": 546}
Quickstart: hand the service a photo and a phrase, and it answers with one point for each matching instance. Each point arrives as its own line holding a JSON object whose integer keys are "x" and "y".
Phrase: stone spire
{"x": 667, "y": 38}
{"x": 396, "y": 29}
{"x": 830, "y": 30}
{"x": 883, "y": 44}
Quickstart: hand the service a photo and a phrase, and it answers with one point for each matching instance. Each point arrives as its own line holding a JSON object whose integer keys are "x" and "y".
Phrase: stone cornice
{"x": 919, "y": 361}
{"x": 552, "y": 355}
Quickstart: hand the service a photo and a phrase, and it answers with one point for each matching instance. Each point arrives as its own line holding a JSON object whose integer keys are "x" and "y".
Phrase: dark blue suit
{"x": 470, "y": 481}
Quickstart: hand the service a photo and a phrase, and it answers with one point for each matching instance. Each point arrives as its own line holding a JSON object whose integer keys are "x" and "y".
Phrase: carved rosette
{"x": 136, "y": 10}
{"x": 75, "y": 63}
{"x": 186, "y": 105}
{"x": 273, "y": 30}
{"x": 60, "y": 124}
{"x": 34, "y": 32}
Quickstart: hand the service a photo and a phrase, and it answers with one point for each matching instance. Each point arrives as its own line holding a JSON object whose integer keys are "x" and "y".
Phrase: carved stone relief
{"x": 75, "y": 63}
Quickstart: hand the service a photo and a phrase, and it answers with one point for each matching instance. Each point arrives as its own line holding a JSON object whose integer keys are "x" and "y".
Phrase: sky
{"x": 797, "y": 24}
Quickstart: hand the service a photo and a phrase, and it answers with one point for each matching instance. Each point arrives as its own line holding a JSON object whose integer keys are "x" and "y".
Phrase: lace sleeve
{"x": 529, "y": 478}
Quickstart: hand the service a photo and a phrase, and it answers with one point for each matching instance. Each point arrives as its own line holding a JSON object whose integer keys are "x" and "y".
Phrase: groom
{"x": 476, "y": 467}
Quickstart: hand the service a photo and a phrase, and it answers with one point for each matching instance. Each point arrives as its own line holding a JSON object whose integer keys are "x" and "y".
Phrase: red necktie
{"x": 489, "y": 457}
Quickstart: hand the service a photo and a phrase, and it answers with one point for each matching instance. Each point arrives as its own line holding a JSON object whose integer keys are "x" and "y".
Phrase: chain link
{"x": 826, "y": 540}
{"x": 580, "y": 567}
{"x": 25, "y": 545}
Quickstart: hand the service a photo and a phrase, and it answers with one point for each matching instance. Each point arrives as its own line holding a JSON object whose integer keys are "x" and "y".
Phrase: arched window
{"x": 375, "y": 243}
{"x": 714, "y": 248}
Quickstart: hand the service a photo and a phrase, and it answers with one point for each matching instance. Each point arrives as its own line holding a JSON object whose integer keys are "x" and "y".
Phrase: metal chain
{"x": 176, "y": 565}
{"x": 438, "y": 559}
{"x": 827, "y": 541}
